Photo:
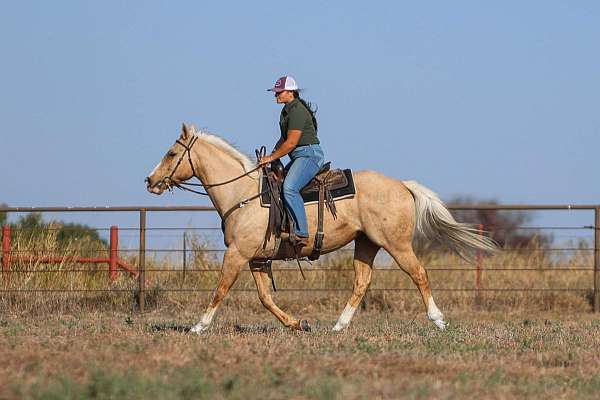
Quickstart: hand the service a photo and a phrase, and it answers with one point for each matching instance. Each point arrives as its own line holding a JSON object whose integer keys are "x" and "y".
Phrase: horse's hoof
{"x": 338, "y": 327}
{"x": 198, "y": 329}
{"x": 440, "y": 323}
{"x": 304, "y": 326}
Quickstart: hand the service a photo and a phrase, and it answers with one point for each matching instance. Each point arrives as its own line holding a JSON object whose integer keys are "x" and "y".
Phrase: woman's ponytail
{"x": 308, "y": 106}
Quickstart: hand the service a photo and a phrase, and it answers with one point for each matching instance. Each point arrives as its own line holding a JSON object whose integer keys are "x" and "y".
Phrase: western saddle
{"x": 280, "y": 221}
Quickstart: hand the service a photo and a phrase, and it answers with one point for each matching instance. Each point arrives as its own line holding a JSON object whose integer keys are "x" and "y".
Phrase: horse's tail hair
{"x": 434, "y": 221}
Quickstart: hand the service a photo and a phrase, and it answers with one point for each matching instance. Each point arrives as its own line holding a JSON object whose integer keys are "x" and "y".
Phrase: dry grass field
{"x": 499, "y": 345}
{"x": 496, "y": 355}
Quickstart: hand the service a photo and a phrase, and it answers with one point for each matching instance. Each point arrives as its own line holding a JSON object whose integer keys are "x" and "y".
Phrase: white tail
{"x": 435, "y": 222}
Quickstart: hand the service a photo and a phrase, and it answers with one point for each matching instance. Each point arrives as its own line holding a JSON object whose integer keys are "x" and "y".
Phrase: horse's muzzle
{"x": 156, "y": 188}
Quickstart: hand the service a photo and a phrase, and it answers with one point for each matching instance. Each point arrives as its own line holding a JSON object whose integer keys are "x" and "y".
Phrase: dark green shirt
{"x": 294, "y": 116}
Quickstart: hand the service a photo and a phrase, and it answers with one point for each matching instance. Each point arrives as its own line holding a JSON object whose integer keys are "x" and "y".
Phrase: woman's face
{"x": 284, "y": 96}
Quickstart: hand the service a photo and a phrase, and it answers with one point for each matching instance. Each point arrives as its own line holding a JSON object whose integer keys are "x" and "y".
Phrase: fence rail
{"x": 140, "y": 289}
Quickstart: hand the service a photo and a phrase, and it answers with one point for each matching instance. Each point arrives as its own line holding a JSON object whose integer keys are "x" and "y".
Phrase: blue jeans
{"x": 306, "y": 162}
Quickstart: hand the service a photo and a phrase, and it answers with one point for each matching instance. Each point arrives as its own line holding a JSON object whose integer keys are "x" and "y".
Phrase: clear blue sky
{"x": 489, "y": 99}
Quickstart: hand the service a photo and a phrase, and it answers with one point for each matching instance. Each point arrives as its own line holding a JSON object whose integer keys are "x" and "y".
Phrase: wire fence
{"x": 19, "y": 259}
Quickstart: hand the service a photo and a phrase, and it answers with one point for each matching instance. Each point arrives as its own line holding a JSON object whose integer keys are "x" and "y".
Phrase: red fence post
{"x": 5, "y": 247}
{"x": 114, "y": 253}
{"x": 479, "y": 258}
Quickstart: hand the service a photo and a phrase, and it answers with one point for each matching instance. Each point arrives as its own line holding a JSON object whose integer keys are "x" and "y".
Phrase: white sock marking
{"x": 204, "y": 321}
{"x": 345, "y": 318}
{"x": 435, "y": 315}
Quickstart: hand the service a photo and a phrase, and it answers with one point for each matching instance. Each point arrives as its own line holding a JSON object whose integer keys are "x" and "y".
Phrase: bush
{"x": 32, "y": 227}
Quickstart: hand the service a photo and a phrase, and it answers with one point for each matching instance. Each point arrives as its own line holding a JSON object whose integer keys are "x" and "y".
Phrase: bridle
{"x": 169, "y": 182}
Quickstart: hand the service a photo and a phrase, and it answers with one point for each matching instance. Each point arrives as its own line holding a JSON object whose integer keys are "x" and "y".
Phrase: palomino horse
{"x": 383, "y": 214}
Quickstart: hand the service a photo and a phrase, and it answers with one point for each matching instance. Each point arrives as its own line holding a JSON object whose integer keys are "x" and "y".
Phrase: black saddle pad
{"x": 343, "y": 192}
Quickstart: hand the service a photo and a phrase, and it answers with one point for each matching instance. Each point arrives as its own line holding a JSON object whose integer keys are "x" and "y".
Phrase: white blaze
{"x": 155, "y": 168}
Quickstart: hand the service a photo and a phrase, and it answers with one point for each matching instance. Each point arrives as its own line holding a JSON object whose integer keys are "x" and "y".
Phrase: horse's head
{"x": 176, "y": 165}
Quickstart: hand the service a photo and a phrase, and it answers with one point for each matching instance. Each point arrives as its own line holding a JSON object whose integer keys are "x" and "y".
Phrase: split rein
{"x": 169, "y": 182}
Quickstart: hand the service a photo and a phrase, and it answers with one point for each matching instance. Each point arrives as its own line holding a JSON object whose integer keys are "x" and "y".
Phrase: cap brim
{"x": 276, "y": 90}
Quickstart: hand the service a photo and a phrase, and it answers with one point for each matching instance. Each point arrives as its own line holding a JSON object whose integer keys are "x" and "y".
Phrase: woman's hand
{"x": 265, "y": 160}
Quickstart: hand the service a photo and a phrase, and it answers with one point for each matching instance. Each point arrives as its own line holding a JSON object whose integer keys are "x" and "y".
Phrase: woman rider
{"x": 299, "y": 140}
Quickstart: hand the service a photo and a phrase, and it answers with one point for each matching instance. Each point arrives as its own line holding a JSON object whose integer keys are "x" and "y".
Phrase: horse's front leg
{"x": 262, "y": 279}
{"x": 232, "y": 264}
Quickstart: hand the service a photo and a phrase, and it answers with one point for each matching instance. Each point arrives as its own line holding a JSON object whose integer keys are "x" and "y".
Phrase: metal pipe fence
{"x": 139, "y": 273}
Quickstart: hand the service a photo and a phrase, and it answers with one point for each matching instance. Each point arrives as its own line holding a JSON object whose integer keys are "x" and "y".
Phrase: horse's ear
{"x": 185, "y": 132}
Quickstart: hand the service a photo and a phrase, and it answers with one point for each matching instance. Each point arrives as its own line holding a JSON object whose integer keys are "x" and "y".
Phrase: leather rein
{"x": 169, "y": 182}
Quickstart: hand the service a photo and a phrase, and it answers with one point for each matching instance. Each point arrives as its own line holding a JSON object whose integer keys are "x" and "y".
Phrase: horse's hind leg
{"x": 232, "y": 264}
{"x": 262, "y": 280}
{"x": 364, "y": 255}
{"x": 406, "y": 259}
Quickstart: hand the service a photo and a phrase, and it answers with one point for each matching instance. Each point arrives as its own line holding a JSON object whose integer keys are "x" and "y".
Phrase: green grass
{"x": 181, "y": 383}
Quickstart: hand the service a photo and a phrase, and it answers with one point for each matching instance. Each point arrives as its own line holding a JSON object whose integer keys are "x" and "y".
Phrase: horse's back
{"x": 380, "y": 188}
{"x": 384, "y": 207}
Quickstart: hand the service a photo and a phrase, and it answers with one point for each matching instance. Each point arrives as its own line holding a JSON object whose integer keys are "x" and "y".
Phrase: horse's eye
{"x": 171, "y": 154}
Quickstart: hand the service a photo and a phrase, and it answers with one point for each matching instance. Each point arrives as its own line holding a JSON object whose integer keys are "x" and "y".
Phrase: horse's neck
{"x": 213, "y": 165}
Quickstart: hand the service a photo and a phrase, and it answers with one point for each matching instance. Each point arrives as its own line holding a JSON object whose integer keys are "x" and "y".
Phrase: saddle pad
{"x": 312, "y": 197}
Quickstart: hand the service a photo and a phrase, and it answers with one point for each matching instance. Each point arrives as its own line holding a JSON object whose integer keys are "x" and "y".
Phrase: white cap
{"x": 284, "y": 83}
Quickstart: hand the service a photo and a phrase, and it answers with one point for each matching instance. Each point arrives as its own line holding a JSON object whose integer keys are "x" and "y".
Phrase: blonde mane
{"x": 228, "y": 148}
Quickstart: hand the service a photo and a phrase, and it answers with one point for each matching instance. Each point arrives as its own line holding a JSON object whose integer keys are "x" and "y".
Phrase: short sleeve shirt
{"x": 294, "y": 116}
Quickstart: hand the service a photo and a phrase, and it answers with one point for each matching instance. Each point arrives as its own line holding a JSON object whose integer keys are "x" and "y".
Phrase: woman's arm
{"x": 279, "y": 142}
{"x": 281, "y": 149}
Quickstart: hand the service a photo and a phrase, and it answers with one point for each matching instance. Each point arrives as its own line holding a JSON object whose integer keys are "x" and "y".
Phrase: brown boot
{"x": 301, "y": 241}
